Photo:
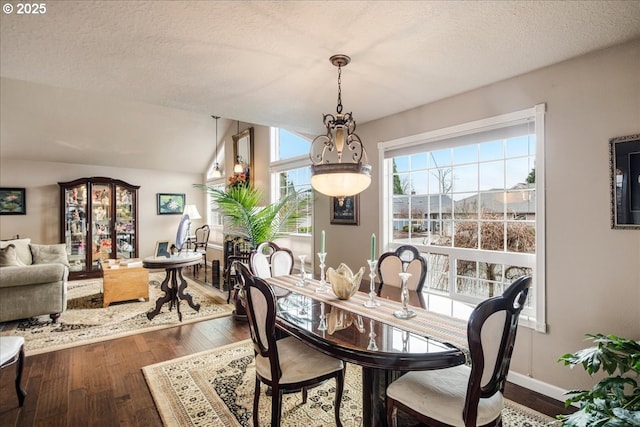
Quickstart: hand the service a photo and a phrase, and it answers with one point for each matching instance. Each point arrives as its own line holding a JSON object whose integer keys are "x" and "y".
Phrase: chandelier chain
{"x": 339, "y": 106}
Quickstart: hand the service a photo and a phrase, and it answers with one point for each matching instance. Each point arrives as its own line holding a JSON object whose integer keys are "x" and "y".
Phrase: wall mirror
{"x": 624, "y": 162}
{"x": 243, "y": 153}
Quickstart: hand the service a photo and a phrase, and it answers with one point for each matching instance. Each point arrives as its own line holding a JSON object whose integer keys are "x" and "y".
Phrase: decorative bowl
{"x": 343, "y": 281}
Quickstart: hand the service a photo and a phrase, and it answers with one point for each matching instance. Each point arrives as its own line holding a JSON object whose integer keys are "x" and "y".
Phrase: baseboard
{"x": 538, "y": 386}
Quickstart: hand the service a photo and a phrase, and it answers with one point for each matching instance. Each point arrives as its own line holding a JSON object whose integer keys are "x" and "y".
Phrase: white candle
{"x": 322, "y": 242}
{"x": 373, "y": 247}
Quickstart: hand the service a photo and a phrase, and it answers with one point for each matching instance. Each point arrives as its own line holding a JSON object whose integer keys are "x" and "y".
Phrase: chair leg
{"x": 256, "y": 402}
{"x": 19, "y": 390}
{"x": 205, "y": 267}
{"x": 339, "y": 389}
{"x": 391, "y": 413}
{"x": 276, "y": 405}
{"x": 304, "y": 395}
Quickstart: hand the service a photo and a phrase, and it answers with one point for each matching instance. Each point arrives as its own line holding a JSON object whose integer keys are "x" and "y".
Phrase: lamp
{"x": 217, "y": 173}
{"x": 190, "y": 211}
{"x": 333, "y": 173}
{"x": 239, "y": 166}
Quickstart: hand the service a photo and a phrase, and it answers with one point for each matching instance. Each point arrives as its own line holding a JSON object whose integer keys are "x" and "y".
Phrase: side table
{"x": 124, "y": 283}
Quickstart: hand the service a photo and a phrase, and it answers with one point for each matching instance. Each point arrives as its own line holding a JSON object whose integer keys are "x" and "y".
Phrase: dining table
{"x": 373, "y": 338}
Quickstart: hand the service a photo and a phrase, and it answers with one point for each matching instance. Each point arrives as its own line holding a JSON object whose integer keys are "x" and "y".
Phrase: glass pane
{"x": 292, "y": 145}
{"x": 439, "y": 159}
{"x": 492, "y": 204}
{"x": 521, "y": 237}
{"x": 518, "y": 147}
{"x": 466, "y": 234}
{"x": 419, "y": 207}
{"x": 401, "y": 183}
{"x": 465, "y": 178}
{"x": 491, "y": 151}
{"x": 400, "y": 231}
{"x": 400, "y": 207}
{"x": 465, "y": 154}
{"x": 437, "y": 273}
{"x": 125, "y": 223}
{"x": 520, "y": 204}
{"x": 440, "y": 181}
{"x": 491, "y": 176}
{"x": 401, "y": 164}
{"x": 101, "y": 218}
{"x": 492, "y": 235}
{"x": 466, "y": 206}
{"x": 419, "y": 182}
{"x": 517, "y": 171}
{"x": 439, "y": 233}
{"x": 419, "y": 161}
{"x": 76, "y": 226}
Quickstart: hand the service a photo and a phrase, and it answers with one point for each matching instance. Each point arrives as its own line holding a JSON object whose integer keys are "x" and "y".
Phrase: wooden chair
{"x": 200, "y": 245}
{"x": 12, "y": 351}
{"x": 286, "y": 364}
{"x": 269, "y": 260}
{"x": 404, "y": 259}
{"x": 462, "y": 395}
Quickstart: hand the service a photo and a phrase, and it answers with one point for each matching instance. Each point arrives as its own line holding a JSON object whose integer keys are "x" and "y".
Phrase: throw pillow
{"x": 22, "y": 249}
{"x": 50, "y": 254}
{"x": 9, "y": 256}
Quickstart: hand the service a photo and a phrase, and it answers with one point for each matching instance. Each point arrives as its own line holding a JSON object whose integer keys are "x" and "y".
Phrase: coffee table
{"x": 174, "y": 284}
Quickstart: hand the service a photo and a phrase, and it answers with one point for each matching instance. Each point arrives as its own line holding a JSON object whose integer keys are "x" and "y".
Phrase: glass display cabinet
{"x": 98, "y": 221}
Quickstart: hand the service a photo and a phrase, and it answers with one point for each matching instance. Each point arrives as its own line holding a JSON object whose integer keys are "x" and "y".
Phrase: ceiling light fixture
{"x": 337, "y": 157}
{"x": 217, "y": 173}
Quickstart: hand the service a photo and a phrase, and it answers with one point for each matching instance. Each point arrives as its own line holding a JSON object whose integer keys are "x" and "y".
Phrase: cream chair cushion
{"x": 9, "y": 348}
{"x": 281, "y": 263}
{"x": 440, "y": 394}
{"x": 298, "y": 362}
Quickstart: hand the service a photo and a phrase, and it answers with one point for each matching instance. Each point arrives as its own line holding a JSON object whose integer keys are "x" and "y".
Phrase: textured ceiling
{"x": 146, "y": 76}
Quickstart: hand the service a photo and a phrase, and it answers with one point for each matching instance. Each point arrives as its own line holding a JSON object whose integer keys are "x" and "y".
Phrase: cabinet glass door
{"x": 125, "y": 222}
{"x": 75, "y": 226}
{"x": 101, "y": 223}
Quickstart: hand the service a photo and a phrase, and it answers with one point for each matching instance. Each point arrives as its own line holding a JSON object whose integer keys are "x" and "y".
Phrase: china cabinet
{"x": 98, "y": 221}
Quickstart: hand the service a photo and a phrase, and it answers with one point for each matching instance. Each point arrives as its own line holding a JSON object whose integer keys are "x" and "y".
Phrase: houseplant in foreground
{"x": 615, "y": 400}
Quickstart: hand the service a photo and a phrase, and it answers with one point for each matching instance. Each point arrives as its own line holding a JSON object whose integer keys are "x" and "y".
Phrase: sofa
{"x": 33, "y": 279}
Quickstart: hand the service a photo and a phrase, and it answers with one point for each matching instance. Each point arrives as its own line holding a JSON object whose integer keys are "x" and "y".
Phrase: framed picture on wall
{"x": 345, "y": 210}
{"x": 624, "y": 165}
{"x": 13, "y": 201}
{"x": 170, "y": 203}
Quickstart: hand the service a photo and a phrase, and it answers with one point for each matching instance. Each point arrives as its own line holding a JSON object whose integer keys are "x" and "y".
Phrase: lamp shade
{"x": 341, "y": 179}
{"x": 192, "y": 211}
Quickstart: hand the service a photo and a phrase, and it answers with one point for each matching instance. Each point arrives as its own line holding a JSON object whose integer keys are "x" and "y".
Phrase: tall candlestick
{"x": 373, "y": 247}
{"x": 322, "y": 242}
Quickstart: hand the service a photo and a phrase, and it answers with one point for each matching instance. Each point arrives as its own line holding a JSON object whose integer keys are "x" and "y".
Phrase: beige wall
{"x": 593, "y": 272}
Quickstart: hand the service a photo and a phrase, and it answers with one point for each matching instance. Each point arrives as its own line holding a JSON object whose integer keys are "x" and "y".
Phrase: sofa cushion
{"x": 9, "y": 256}
{"x": 50, "y": 254}
{"x": 22, "y": 249}
{"x": 32, "y": 275}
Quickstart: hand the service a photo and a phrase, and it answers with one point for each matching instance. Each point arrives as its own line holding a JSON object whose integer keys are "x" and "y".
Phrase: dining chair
{"x": 462, "y": 395}
{"x": 286, "y": 364}
{"x": 200, "y": 245}
{"x": 269, "y": 260}
{"x": 406, "y": 259}
{"x": 12, "y": 351}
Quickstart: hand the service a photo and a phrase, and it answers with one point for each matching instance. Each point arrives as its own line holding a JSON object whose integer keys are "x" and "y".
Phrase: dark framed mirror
{"x": 624, "y": 164}
{"x": 243, "y": 154}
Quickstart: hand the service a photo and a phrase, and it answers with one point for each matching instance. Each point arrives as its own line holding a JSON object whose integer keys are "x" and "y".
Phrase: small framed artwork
{"x": 162, "y": 249}
{"x": 171, "y": 203}
{"x": 624, "y": 165}
{"x": 345, "y": 210}
{"x": 13, "y": 201}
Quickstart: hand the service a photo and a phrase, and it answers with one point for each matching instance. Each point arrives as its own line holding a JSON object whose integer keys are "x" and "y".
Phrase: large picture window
{"x": 470, "y": 198}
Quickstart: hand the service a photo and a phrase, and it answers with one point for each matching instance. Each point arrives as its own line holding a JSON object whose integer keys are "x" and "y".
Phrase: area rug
{"x": 85, "y": 321}
{"x": 214, "y": 388}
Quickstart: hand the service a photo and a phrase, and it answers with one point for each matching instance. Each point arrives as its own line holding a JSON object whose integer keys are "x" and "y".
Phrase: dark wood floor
{"x": 102, "y": 384}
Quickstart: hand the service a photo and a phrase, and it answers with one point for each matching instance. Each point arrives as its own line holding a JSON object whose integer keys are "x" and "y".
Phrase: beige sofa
{"x": 33, "y": 279}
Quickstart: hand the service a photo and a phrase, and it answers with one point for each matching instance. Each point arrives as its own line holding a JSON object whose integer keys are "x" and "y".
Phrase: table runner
{"x": 442, "y": 328}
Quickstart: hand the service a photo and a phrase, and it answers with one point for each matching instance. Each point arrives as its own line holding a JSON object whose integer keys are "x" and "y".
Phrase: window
{"x": 291, "y": 172}
{"x": 471, "y": 198}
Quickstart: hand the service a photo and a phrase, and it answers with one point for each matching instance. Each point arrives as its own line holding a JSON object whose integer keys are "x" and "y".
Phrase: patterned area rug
{"x": 214, "y": 388}
{"x": 85, "y": 321}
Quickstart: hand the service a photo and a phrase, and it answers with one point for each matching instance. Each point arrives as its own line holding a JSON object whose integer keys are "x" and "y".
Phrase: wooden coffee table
{"x": 124, "y": 284}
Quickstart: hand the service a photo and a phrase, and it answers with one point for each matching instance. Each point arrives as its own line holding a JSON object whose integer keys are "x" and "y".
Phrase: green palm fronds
{"x": 243, "y": 215}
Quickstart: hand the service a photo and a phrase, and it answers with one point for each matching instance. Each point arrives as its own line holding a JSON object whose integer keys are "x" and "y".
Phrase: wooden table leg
{"x": 183, "y": 295}
{"x": 167, "y": 297}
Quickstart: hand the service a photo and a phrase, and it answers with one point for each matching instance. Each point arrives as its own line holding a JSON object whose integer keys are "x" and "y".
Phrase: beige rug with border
{"x": 214, "y": 388}
{"x": 86, "y": 322}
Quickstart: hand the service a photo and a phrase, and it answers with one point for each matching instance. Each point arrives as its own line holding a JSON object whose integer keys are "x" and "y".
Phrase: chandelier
{"x": 338, "y": 158}
{"x": 217, "y": 173}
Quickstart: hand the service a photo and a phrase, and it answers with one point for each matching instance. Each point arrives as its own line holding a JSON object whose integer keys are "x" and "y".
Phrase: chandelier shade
{"x": 338, "y": 157}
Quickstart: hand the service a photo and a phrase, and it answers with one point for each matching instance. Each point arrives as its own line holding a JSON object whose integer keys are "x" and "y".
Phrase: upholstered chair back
{"x": 270, "y": 260}
{"x": 407, "y": 259}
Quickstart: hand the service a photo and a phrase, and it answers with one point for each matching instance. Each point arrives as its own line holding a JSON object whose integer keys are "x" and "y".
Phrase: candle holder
{"x": 405, "y": 313}
{"x": 372, "y": 302}
{"x": 324, "y": 288}
{"x": 322, "y": 326}
{"x": 303, "y": 274}
{"x": 372, "y": 346}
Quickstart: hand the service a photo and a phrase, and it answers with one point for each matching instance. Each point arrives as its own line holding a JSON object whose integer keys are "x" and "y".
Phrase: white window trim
{"x": 538, "y": 113}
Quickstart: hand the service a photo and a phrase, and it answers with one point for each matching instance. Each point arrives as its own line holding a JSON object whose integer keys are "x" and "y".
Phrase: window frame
{"x": 435, "y": 140}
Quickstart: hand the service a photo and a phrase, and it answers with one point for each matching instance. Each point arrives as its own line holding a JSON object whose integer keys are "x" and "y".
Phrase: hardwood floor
{"x": 102, "y": 384}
